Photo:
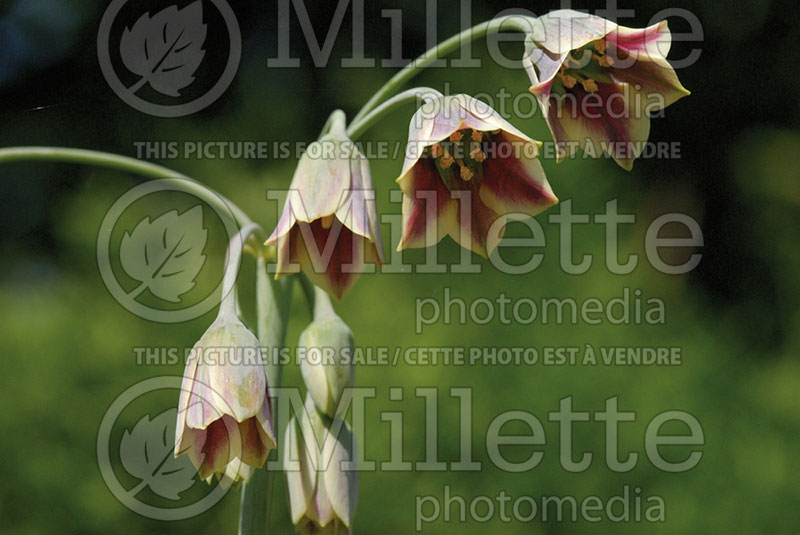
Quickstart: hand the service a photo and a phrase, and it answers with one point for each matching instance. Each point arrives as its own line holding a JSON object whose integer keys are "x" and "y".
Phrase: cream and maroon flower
{"x": 597, "y": 82}
{"x": 467, "y": 169}
{"x": 329, "y": 227}
{"x": 224, "y": 412}
{"x": 322, "y": 494}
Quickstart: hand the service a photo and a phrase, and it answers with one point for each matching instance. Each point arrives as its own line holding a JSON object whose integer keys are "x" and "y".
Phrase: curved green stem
{"x": 233, "y": 261}
{"x": 323, "y": 308}
{"x": 357, "y": 128}
{"x": 510, "y": 22}
{"x": 273, "y": 302}
{"x": 127, "y": 164}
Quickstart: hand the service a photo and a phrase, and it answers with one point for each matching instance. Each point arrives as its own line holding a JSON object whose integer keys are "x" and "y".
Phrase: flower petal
{"x": 201, "y": 408}
{"x": 644, "y": 43}
{"x": 254, "y": 450}
{"x": 614, "y": 126}
{"x": 358, "y": 212}
{"x": 321, "y": 180}
{"x": 237, "y": 377}
{"x": 265, "y": 426}
{"x": 542, "y": 67}
{"x": 651, "y": 78}
{"x": 285, "y": 224}
{"x": 474, "y": 219}
{"x": 331, "y": 258}
{"x": 216, "y": 449}
{"x": 301, "y": 482}
{"x": 515, "y": 184}
{"x": 235, "y": 471}
{"x": 191, "y": 443}
{"x": 439, "y": 118}
{"x": 427, "y": 218}
{"x": 481, "y": 116}
{"x": 341, "y": 486}
{"x": 564, "y": 30}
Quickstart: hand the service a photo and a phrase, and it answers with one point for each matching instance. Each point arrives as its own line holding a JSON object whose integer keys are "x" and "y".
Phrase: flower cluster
{"x": 467, "y": 170}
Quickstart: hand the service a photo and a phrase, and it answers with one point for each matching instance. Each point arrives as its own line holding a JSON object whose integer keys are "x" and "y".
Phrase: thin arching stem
{"x": 126, "y": 164}
{"x": 357, "y": 128}
{"x": 234, "y": 260}
{"x": 508, "y": 23}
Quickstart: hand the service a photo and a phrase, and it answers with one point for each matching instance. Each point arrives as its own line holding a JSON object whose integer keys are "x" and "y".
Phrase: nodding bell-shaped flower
{"x": 466, "y": 172}
{"x": 224, "y": 413}
{"x": 327, "y": 365}
{"x": 329, "y": 228}
{"x": 598, "y": 83}
{"x": 322, "y": 493}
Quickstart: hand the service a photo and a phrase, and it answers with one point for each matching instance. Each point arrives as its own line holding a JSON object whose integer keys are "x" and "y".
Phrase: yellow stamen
{"x": 600, "y": 46}
{"x": 589, "y": 85}
{"x": 477, "y": 135}
{"x": 457, "y": 136}
{"x": 569, "y": 81}
{"x": 478, "y": 155}
{"x": 572, "y": 63}
{"x": 604, "y": 61}
{"x": 466, "y": 173}
{"x": 436, "y": 150}
{"x": 327, "y": 221}
{"x": 446, "y": 161}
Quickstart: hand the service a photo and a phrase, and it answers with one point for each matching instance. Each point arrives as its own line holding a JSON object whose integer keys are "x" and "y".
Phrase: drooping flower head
{"x": 467, "y": 169}
{"x": 224, "y": 412}
{"x": 329, "y": 227}
{"x": 597, "y": 82}
{"x": 322, "y": 494}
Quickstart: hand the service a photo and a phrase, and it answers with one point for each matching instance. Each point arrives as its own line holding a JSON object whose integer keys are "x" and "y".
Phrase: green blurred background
{"x": 67, "y": 344}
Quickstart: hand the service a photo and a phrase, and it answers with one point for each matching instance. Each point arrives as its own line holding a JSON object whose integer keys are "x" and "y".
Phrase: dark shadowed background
{"x": 67, "y": 344}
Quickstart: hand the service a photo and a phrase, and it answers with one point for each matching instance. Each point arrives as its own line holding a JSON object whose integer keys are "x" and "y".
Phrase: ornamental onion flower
{"x": 224, "y": 412}
{"x": 597, "y": 82}
{"x": 465, "y": 169}
{"x": 322, "y": 494}
{"x": 329, "y": 227}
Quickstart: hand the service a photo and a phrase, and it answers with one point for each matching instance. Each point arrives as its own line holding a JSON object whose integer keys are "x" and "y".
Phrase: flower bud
{"x": 322, "y": 494}
{"x": 329, "y": 227}
{"x": 327, "y": 366}
{"x": 224, "y": 413}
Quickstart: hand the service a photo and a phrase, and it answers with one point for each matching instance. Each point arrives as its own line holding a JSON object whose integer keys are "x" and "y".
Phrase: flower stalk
{"x": 273, "y": 301}
{"x": 129, "y": 165}
{"x": 357, "y": 127}
{"x": 515, "y": 23}
{"x": 455, "y": 160}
